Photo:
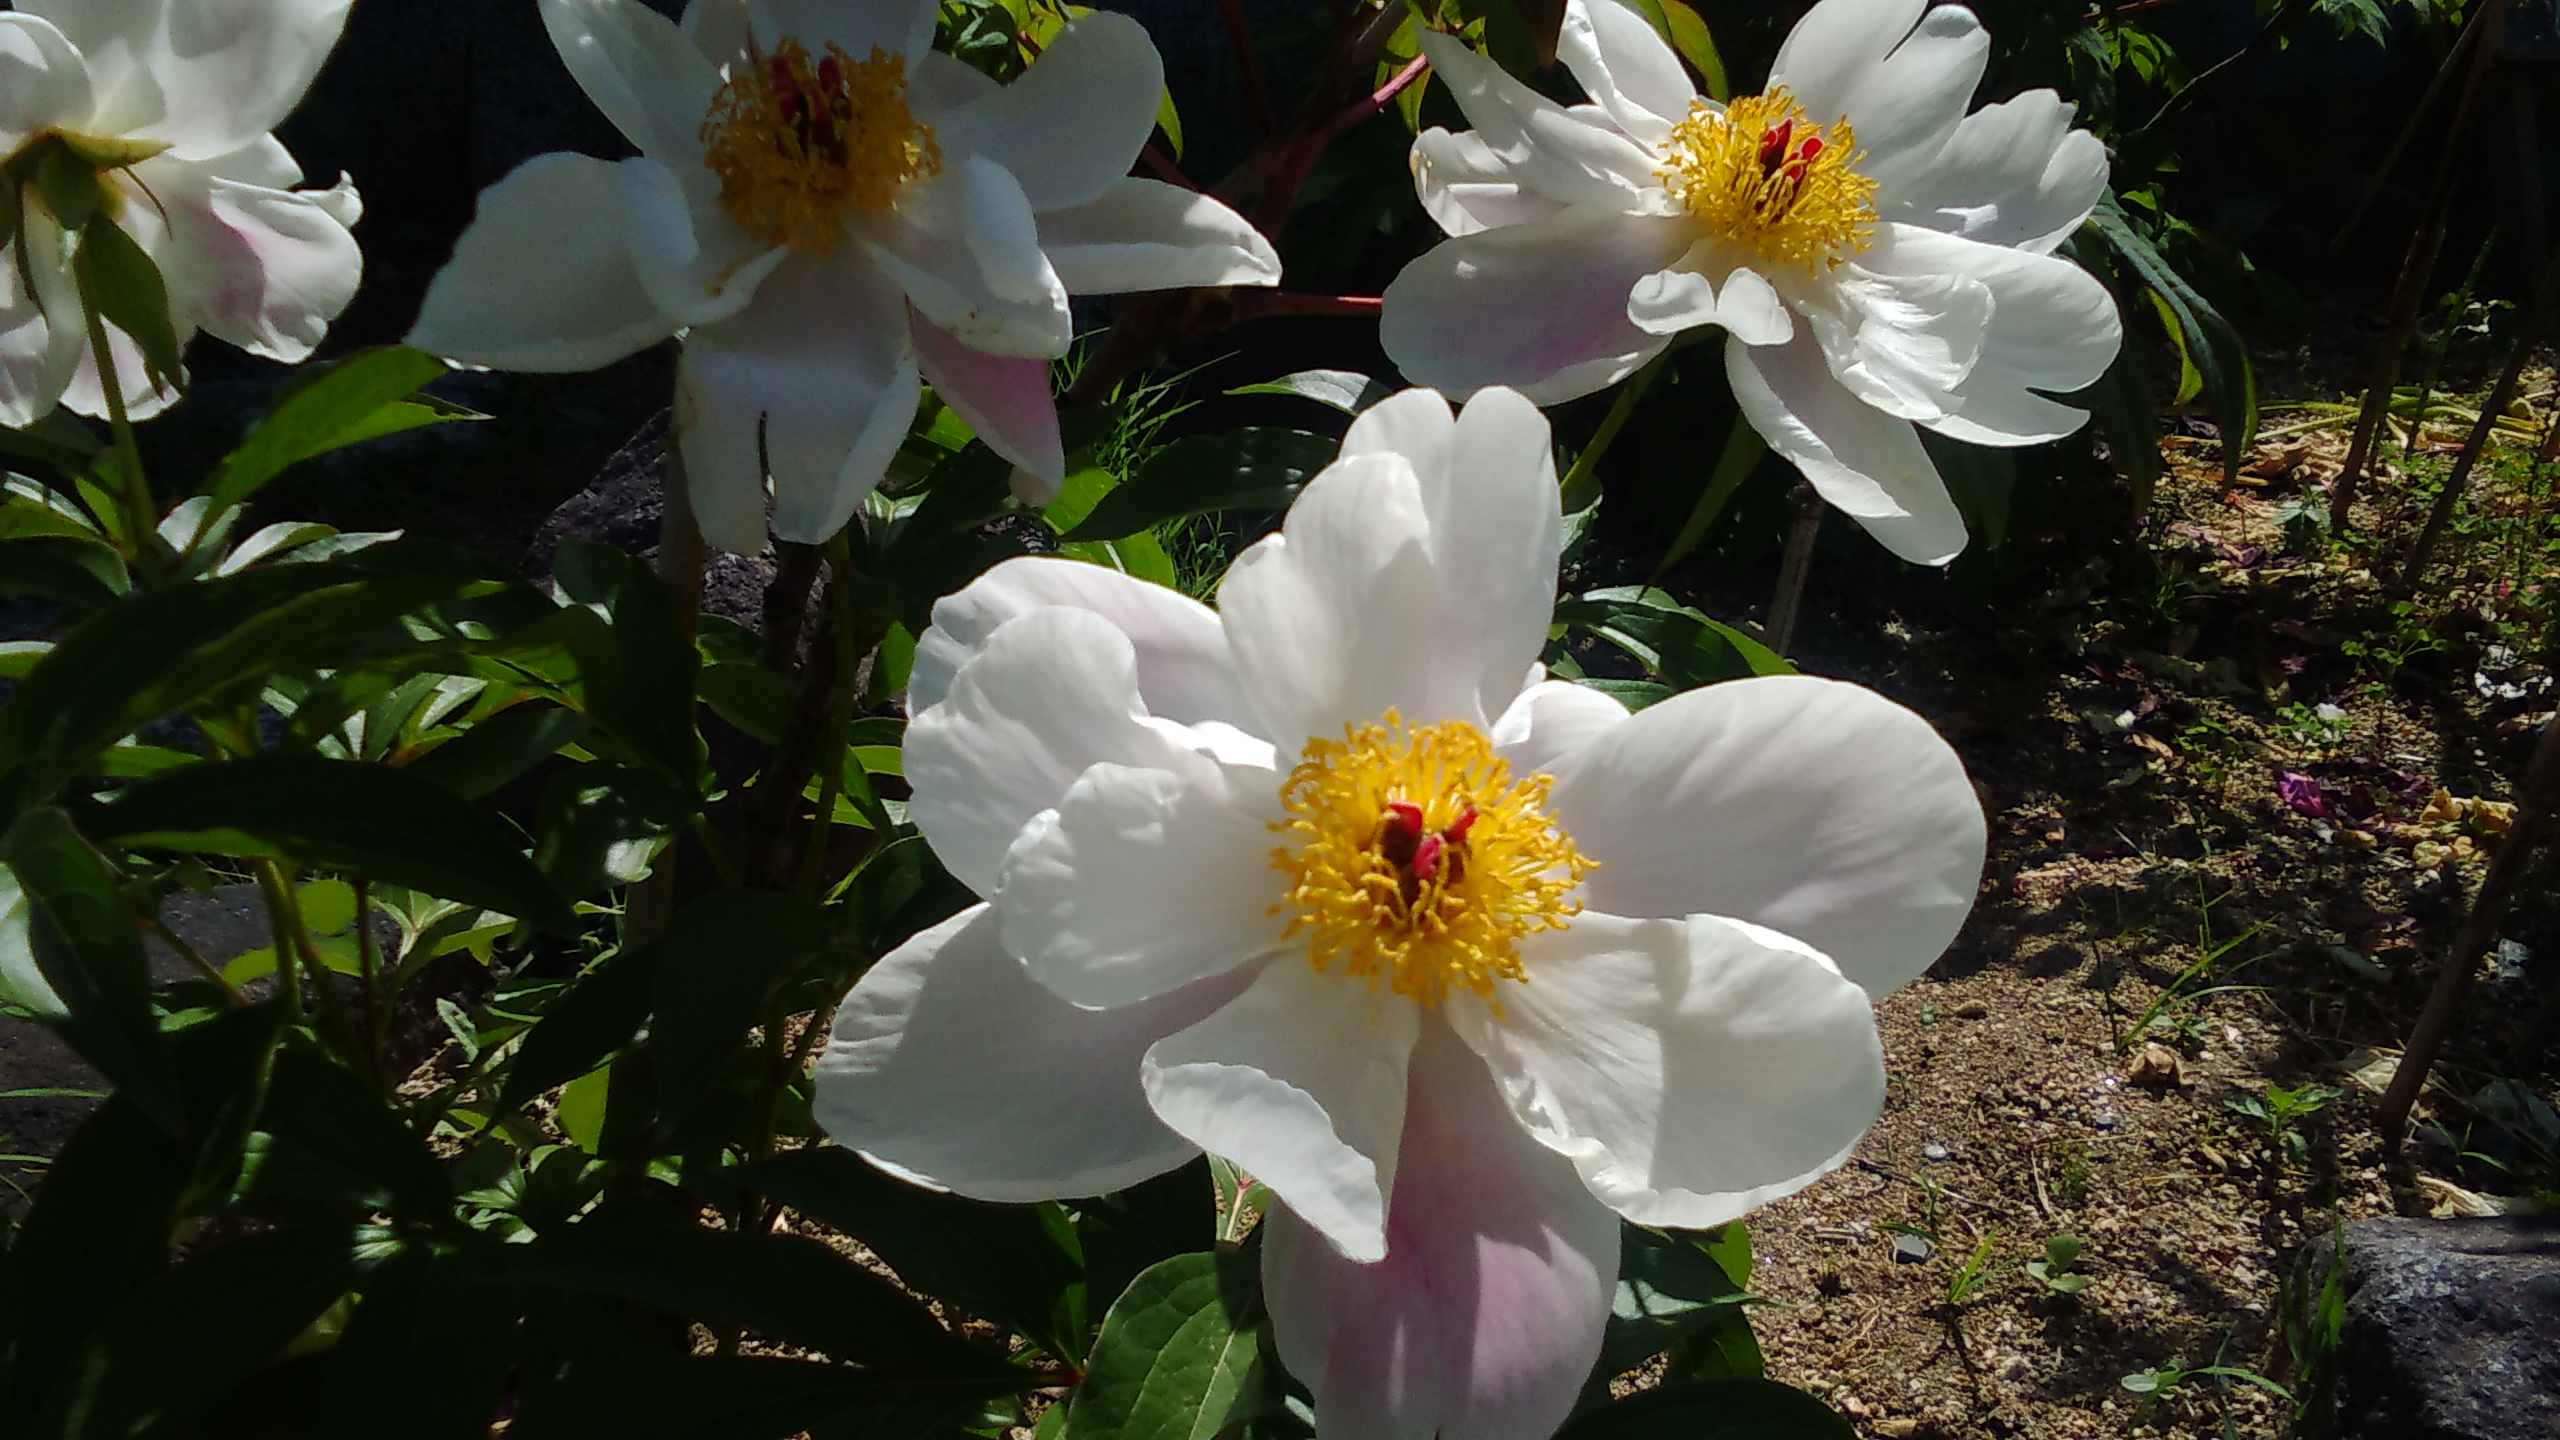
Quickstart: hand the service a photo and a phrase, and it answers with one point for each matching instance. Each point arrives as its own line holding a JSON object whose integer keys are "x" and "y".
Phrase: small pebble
{"x": 1900, "y": 1427}
{"x": 2104, "y": 1119}
{"x": 1910, "y": 1250}
{"x": 1935, "y": 1151}
{"x": 2014, "y": 1368}
{"x": 1973, "y": 1010}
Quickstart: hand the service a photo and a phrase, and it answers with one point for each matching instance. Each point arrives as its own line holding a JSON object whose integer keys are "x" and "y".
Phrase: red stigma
{"x": 1457, "y": 831}
{"x": 1811, "y": 147}
{"x": 830, "y": 75}
{"x": 1426, "y": 857}
{"x": 1405, "y": 816}
{"x": 1773, "y": 145}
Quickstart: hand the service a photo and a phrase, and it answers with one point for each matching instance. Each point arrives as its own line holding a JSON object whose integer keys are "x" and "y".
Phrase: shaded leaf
{"x": 329, "y": 407}
{"x": 1182, "y": 1354}
{"x": 1257, "y": 468}
{"x": 722, "y": 957}
{"x": 88, "y": 952}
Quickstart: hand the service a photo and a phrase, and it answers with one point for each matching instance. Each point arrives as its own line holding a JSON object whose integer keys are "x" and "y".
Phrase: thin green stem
{"x": 284, "y": 919}
{"x": 721, "y": 863}
{"x": 142, "y": 516}
{"x": 378, "y": 1003}
{"x": 195, "y": 959}
{"x": 1743, "y": 448}
{"x": 849, "y": 645}
{"x": 1582, "y": 480}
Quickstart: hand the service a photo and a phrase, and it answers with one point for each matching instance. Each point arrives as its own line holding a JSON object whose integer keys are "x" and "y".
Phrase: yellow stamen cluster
{"x": 1762, "y": 175}
{"x": 1430, "y": 908}
{"x": 797, "y": 142}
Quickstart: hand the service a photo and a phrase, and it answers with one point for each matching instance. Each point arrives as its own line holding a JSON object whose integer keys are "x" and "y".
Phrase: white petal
{"x": 639, "y": 69}
{"x": 1002, "y": 232}
{"x": 542, "y": 280}
{"x": 1540, "y": 307}
{"x": 1693, "y": 1070}
{"x": 264, "y": 269}
{"x": 1497, "y": 531}
{"x": 1051, "y": 693}
{"x": 1074, "y": 121}
{"x": 265, "y": 161}
{"x": 44, "y": 84}
{"x": 1332, "y": 620}
{"x": 1577, "y": 156}
{"x": 1185, "y": 671}
{"x": 695, "y": 263}
{"x": 1812, "y": 807}
{"x": 949, "y": 1067}
{"x": 901, "y": 27}
{"x": 1005, "y": 401}
{"x": 2053, "y": 327}
{"x": 1487, "y": 1313}
{"x": 1301, "y": 1082}
{"x": 822, "y": 359}
{"x": 931, "y": 248}
{"x": 1466, "y": 188}
{"x": 1549, "y": 721}
{"x": 936, "y": 83}
{"x": 1901, "y": 77}
{"x": 1707, "y": 287}
{"x": 1147, "y": 235}
{"x": 206, "y": 78}
{"x": 1866, "y": 463}
{"x": 1625, "y": 66}
{"x": 2014, "y": 173}
{"x": 1900, "y": 331}
{"x": 41, "y": 335}
{"x": 1144, "y": 882}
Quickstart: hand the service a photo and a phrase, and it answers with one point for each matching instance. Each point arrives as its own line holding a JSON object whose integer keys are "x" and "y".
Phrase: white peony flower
{"x": 1878, "y": 258}
{"x": 172, "y": 101}
{"x": 1462, "y": 963}
{"x": 832, "y": 214}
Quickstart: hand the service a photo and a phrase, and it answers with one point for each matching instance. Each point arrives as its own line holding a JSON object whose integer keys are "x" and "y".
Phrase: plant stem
{"x": 2528, "y": 339}
{"x": 195, "y": 959}
{"x": 1788, "y": 600}
{"x": 1743, "y": 448}
{"x": 1580, "y": 482}
{"x": 832, "y": 758}
{"x": 651, "y": 903}
{"x": 142, "y": 517}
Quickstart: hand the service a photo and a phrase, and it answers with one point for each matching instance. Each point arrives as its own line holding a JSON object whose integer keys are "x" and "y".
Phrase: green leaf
{"x": 427, "y": 1354}
{"x": 1672, "y": 640}
{"x": 1348, "y": 391}
{"x": 2210, "y": 342}
{"x": 1690, "y": 36}
{"x": 1981, "y": 481}
{"x": 746, "y": 695}
{"x": 1258, "y": 468}
{"x": 784, "y": 1287}
{"x": 1182, "y": 1355}
{"x": 132, "y": 297}
{"x": 152, "y": 655}
{"x": 704, "y": 1397}
{"x": 99, "y": 1227}
{"x": 583, "y": 1026}
{"x": 499, "y": 749}
{"x": 1125, "y": 1233}
{"x": 722, "y": 957}
{"x": 329, "y": 407}
{"x": 328, "y": 1113}
{"x": 22, "y": 981}
{"x": 1730, "y": 1409}
{"x": 85, "y": 946}
{"x": 604, "y": 824}
{"x": 372, "y": 820}
{"x": 641, "y": 691}
{"x": 78, "y": 573}
{"x": 1671, "y": 1292}
{"x": 1012, "y": 1264}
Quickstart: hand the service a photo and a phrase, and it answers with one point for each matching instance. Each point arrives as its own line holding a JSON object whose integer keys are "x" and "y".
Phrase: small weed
{"x": 2071, "y": 1177}
{"x": 2280, "y": 1110}
{"x": 2054, "y": 1272}
{"x": 2157, "y": 1383}
{"x": 1976, "y": 1269}
{"x": 2385, "y": 654}
{"x": 2314, "y": 727}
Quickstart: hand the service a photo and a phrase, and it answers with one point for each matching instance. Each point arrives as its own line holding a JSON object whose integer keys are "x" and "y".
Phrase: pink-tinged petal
{"x": 44, "y": 84}
{"x": 1301, "y": 1082}
{"x": 640, "y": 70}
{"x": 1071, "y": 125}
{"x": 40, "y": 332}
{"x": 1333, "y": 619}
{"x": 1005, "y": 400}
{"x": 951, "y": 1067}
{"x": 543, "y": 279}
{"x": 1186, "y": 673}
{"x": 2012, "y": 174}
{"x": 1486, "y": 1314}
{"x": 1865, "y": 463}
{"x": 814, "y": 383}
{"x": 1817, "y": 809}
{"x": 1466, "y": 188}
{"x": 1147, "y": 235}
{"x": 1144, "y": 881}
{"x": 938, "y": 246}
{"x": 1540, "y": 307}
{"x": 266, "y": 270}
{"x": 1549, "y": 721}
{"x": 206, "y": 77}
{"x": 1052, "y": 693}
{"x": 1692, "y": 1070}
{"x": 1626, "y": 67}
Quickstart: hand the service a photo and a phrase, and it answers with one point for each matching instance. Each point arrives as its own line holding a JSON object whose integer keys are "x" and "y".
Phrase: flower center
{"x": 1762, "y": 175}
{"x": 796, "y": 142}
{"x": 1417, "y": 862}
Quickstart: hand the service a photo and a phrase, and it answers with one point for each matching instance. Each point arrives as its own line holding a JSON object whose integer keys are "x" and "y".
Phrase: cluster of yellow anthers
{"x": 1761, "y": 174}
{"x": 1417, "y": 862}
{"x": 797, "y": 142}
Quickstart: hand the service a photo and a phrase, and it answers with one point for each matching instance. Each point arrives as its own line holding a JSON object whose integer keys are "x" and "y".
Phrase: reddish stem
{"x": 1263, "y": 304}
{"x": 1163, "y": 166}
